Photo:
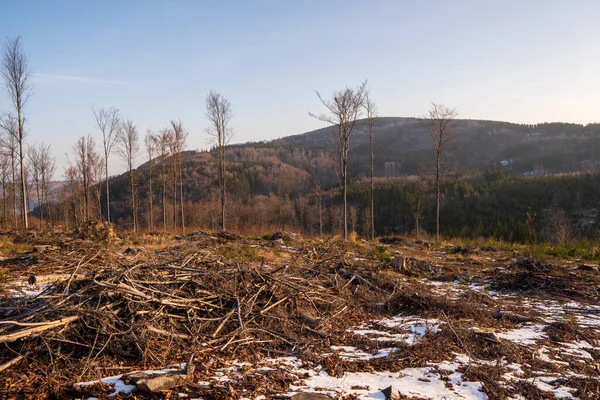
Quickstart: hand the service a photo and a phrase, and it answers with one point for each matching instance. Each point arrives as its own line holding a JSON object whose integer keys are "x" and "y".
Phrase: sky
{"x": 524, "y": 61}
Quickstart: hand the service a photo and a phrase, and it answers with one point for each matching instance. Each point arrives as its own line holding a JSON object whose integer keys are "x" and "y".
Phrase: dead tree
{"x": 150, "y": 141}
{"x": 343, "y": 109}
{"x": 178, "y": 140}
{"x": 35, "y": 172}
{"x": 108, "y": 122}
{"x": 10, "y": 142}
{"x": 128, "y": 149}
{"x": 439, "y": 123}
{"x": 371, "y": 110}
{"x": 86, "y": 158}
{"x": 219, "y": 113}
{"x": 162, "y": 140}
{"x": 16, "y": 73}
{"x": 319, "y": 193}
{"x": 5, "y": 174}
{"x": 48, "y": 168}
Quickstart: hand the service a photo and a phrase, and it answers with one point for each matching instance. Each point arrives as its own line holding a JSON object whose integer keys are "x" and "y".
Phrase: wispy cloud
{"x": 52, "y": 78}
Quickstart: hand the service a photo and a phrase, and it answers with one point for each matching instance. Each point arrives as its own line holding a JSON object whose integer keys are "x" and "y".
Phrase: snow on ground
{"x": 26, "y": 290}
{"x": 404, "y": 329}
{"x": 438, "y": 381}
{"x": 120, "y": 386}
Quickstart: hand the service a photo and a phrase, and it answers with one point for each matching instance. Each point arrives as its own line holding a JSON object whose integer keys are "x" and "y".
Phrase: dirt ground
{"x": 230, "y": 317}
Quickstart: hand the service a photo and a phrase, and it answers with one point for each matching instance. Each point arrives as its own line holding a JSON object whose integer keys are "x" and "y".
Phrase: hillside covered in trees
{"x": 494, "y": 174}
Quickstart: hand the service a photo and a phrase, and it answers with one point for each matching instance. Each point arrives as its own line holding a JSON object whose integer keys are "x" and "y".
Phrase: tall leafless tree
{"x": 162, "y": 140}
{"x": 150, "y": 142}
{"x": 343, "y": 109}
{"x": 16, "y": 73}
{"x": 35, "y": 172}
{"x": 5, "y": 175}
{"x": 439, "y": 123}
{"x": 108, "y": 122}
{"x": 219, "y": 114}
{"x": 128, "y": 149}
{"x": 10, "y": 143}
{"x": 178, "y": 141}
{"x": 319, "y": 193}
{"x": 371, "y": 112}
{"x": 48, "y": 167}
{"x": 86, "y": 158}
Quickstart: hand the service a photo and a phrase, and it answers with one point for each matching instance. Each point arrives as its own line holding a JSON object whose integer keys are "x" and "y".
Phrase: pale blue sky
{"x": 521, "y": 61}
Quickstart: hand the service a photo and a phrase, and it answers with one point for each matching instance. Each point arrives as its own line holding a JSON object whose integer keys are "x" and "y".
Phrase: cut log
{"x": 311, "y": 396}
{"x": 11, "y": 337}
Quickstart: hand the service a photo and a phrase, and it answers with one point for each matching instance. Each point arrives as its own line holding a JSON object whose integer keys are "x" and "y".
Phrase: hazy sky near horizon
{"x": 516, "y": 60}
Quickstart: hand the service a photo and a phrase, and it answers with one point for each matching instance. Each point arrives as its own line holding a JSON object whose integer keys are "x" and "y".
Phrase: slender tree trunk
{"x": 133, "y": 216}
{"x": 107, "y": 188}
{"x": 181, "y": 194}
{"x": 39, "y": 199}
{"x": 4, "y": 212}
{"x": 345, "y": 203}
{"x": 372, "y": 191}
{"x": 151, "y": 219}
{"x": 437, "y": 197}
{"x": 320, "y": 217}
{"x": 418, "y": 216}
{"x": 14, "y": 188}
{"x": 222, "y": 184}
{"x": 174, "y": 191}
{"x": 164, "y": 197}
{"x": 23, "y": 181}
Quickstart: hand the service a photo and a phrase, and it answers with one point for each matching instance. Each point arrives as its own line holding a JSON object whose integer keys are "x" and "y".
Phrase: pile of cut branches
{"x": 112, "y": 312}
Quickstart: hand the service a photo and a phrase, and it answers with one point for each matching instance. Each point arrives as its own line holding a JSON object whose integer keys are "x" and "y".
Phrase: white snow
{"x": 527, "y": 334}
{"x": 120, "y": 387}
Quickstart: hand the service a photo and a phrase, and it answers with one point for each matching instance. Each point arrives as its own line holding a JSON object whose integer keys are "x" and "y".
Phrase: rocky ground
{"x": 219, "y": 316}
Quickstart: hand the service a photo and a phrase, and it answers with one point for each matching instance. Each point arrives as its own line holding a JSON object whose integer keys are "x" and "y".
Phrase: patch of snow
{"x": 117, "y": 381}
{"x": 525, "y": 335}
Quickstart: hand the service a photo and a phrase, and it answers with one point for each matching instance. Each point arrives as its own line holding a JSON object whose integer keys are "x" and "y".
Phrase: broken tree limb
{"x": 10, "y": 363}
{"x": 11, "y": 337}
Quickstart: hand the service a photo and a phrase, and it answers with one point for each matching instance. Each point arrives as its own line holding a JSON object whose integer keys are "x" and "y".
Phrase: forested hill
{"x": 274, "y": 183}
{"x": 403, "y": 147}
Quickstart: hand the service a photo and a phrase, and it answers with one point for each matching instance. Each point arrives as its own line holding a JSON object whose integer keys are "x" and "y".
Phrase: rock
{"x": 311, "y": 396}
{"x": 32, "y": 280}
{"x": 391, "y": 393}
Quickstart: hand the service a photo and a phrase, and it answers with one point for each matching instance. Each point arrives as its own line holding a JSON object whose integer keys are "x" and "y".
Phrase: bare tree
{"x": 319, "y": 193}
{"x": 150, "y": 142}
{"x": 47, "y": 169}
{"x": 16, "y": 73}
{"x": 71, "y": 187}
{"x": 178, "y": 140}
{"x": 128, "y": 149}
{"x": 10, "y": 142}
{"x": 35, "y": 171}
{"x": 219, "y": 113}
{"x": 162, "y": 140}
{"x": 439, "y": 123}
{"x": 371, "y": 111}
{"x": 5, "y": 175}
{"x": 343, "y": 110}
{"x": 108, "y": 122}
{"x": 86, "y": 158}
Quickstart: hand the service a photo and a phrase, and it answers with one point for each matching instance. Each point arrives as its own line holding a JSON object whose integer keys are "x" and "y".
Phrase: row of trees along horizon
{"x": 157, "y": 197}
